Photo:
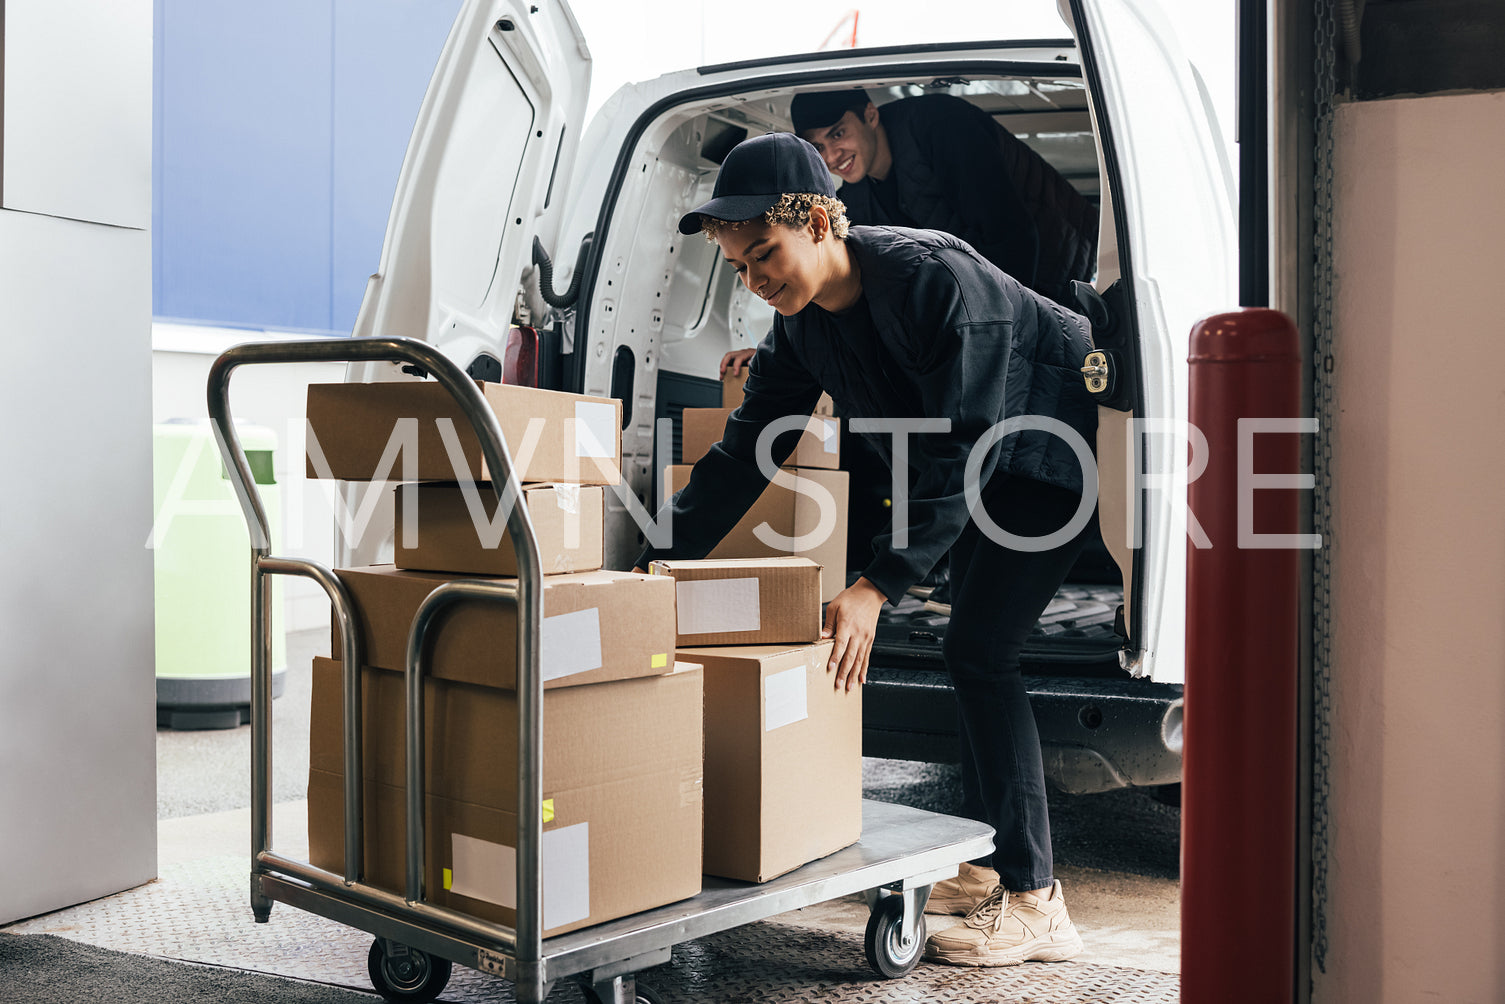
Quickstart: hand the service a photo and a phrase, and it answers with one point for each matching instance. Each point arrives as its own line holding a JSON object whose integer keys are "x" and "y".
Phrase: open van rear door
{"x": 485, "y": 171}
{"x": 1169, "y": 213}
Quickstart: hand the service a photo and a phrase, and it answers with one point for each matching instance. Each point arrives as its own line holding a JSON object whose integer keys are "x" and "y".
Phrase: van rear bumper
{"x": 1096, "y": 734}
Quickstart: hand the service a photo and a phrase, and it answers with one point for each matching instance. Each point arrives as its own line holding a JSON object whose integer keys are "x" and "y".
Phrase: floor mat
{"x": 46, "y": 969}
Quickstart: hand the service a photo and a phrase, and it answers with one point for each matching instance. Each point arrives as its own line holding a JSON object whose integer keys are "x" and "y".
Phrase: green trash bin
{"x": 203, "y": 576}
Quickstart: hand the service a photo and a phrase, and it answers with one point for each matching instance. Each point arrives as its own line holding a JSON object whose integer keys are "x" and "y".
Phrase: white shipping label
{"x": 566, "y": 875}
{"x": 784, "y": 699}
{"x": 488, "y": 871}
{"x": 570, "y": 644}
{"x": 713, "y": 606}
{"x": 483, "y": 870}
{"x": 830, "y": 434}
{"x": 567, "y": 497}
{"x": 595, "y": 429}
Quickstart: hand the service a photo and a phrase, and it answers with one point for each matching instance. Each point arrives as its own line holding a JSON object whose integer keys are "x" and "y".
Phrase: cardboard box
{"x": 597, "y": 626}
{"x": 794, "y": 514}
{"x": 819, "y": 445}
{"x": 622, "y": 765}
{"x": 567, "y": 523}
{"x": 731, "y": 393}
{"x": 731, "y": 387}
{"x": 745, "y": 601}
{"x": 551, "y": 435}
{"x": 783, "y": 759}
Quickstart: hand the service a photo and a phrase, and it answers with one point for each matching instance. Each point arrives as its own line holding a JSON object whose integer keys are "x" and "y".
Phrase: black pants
{"x": 997, "y": 594}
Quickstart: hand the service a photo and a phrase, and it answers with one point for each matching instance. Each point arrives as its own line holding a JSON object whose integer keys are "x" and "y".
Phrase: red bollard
{"x": 1238, "y": 801}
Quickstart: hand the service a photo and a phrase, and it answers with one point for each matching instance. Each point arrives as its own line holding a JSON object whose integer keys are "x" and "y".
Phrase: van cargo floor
{"x": 1079, "y": 621}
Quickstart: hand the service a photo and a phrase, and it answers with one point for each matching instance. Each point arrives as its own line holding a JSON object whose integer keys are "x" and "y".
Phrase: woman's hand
{"x": 735, "y": 360}
{"x": 852, "y": 619}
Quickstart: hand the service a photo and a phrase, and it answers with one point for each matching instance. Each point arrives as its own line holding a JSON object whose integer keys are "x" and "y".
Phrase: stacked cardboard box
{"x": 622, "y": 759}
{"x": 783, "y": 746}
{"x": 731, "y": 393}
{"x": 819, "y": 446}
{"x": 807, "y": 510}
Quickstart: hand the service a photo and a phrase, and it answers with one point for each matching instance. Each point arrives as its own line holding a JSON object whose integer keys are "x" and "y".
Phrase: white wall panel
{"x": 77, "y": 115}
{"x": 77, "y": 681}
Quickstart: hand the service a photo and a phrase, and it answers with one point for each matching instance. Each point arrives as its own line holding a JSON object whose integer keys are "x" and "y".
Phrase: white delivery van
{"x": 499, "y": 163}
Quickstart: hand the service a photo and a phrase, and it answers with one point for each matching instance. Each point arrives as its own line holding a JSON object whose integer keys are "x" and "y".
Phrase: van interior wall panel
{"x": 650, "y": 297}
{"x": 1418, "y": 556}
{"x": 676, "y": 392}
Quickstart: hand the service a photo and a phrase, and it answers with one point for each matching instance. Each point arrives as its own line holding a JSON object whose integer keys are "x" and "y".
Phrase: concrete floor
{"x": 1117, "y": 853}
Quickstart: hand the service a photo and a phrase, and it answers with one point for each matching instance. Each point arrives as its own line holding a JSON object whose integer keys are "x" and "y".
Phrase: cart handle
{"x": 350, "y": 640}
{"x": 444, "y": 595}
{"x": 529, "y": 927}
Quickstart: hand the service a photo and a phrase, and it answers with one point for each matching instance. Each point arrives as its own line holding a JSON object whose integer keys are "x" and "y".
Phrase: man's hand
{"x": 735, "y": 360}
{"x": 852, "y": 619}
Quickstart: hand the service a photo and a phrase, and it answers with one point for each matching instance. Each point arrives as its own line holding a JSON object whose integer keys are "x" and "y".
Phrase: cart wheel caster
{"x": 642, "y": 994}
{"x": 887, "y": 951}
{"x": 414, "y": 976}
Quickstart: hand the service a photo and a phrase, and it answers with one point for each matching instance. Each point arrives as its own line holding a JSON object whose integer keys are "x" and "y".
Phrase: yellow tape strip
{"x": 548, "y": 810}
{"x": 660, "y": 660}
{"x": 449, "y": 878}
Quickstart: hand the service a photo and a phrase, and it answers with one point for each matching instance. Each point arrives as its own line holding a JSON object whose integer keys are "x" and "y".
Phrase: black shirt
{"x": 886, "y": 194}
{"x": 939, "y": 333}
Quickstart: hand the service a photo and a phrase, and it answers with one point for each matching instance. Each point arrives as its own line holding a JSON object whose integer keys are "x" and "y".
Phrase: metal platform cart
{"x": 901, "y": 854}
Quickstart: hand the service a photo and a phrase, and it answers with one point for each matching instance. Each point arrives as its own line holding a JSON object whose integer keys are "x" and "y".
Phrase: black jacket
{"x": 954, "y": 338}
{"x": 959, "y": 171}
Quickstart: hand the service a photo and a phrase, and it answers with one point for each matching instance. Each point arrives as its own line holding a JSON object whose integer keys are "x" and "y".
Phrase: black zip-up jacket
{"x": 953, "y": 338}
{"x": 959, "y": 171}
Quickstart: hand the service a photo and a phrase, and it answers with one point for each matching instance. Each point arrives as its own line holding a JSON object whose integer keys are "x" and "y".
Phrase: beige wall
{"x": 1417, "y": 865}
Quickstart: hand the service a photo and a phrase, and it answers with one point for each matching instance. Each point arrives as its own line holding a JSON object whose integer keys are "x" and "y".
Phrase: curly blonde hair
{"x": 792, "y": 210}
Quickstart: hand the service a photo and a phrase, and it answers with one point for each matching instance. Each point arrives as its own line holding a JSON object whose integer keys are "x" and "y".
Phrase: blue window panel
{"x": 243, "y": 222}
{"x": 384, "y": 54}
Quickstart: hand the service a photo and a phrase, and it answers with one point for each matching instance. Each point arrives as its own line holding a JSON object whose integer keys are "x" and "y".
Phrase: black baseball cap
{"x": 756, "y": 174}
{"x": 823, "y": 109}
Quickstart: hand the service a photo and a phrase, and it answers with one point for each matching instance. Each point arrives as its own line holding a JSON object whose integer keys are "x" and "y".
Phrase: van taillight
{"x": 520, "y": 360}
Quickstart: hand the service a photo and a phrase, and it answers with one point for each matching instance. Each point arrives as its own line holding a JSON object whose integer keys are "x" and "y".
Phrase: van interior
{"x": 649, "y": 313}
{"x": 671, "y": 303}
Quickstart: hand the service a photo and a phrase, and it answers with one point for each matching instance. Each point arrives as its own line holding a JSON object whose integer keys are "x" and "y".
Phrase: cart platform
{"x": 900, "y": 846}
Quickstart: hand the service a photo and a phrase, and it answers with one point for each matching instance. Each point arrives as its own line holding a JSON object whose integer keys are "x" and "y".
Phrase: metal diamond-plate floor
{"x": 1122, "y": 893}
{"x": 197, "y": 911}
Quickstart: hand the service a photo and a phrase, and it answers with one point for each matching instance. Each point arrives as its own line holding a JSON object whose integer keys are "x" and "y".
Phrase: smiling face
{"x": 781, "y": 264}
{"x": 852, "y": 147}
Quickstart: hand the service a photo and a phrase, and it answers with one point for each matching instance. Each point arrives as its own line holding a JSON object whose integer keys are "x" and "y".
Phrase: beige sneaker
{"x": 958, "y": 896}
{"x": 1009, "y": 928}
